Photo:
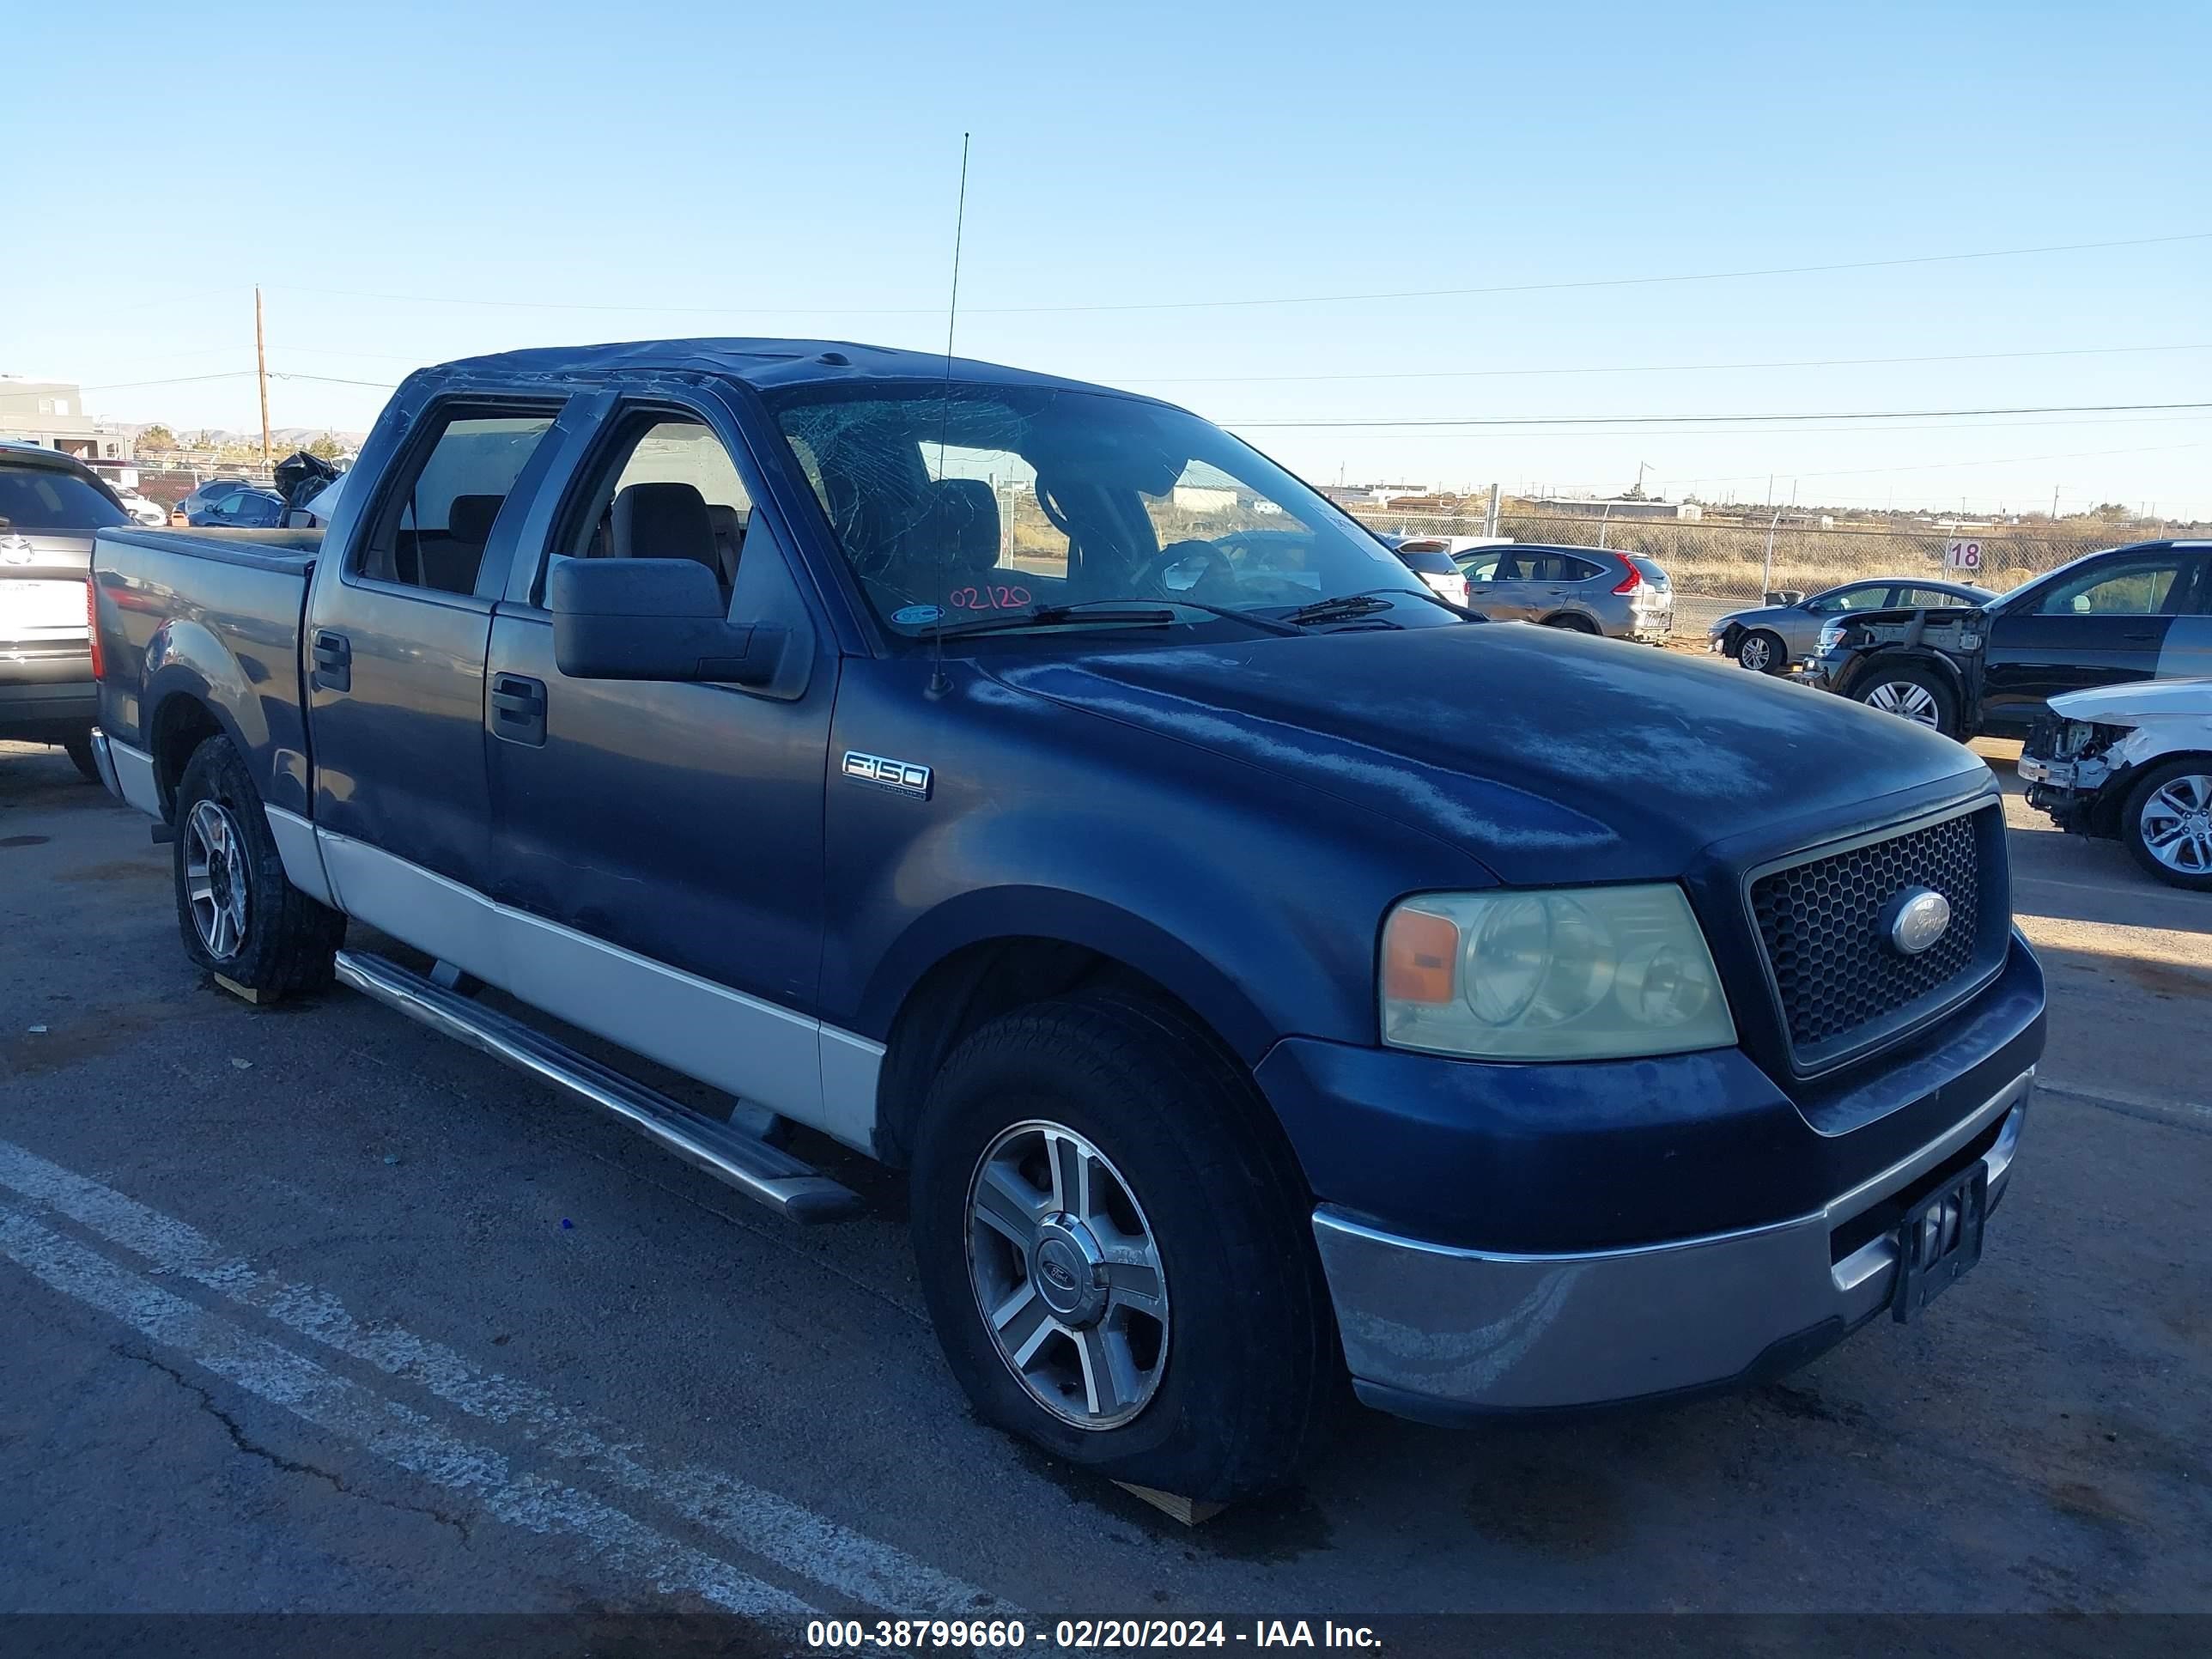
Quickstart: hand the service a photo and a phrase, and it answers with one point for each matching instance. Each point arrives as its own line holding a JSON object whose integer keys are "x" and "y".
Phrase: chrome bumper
{"x": 1436, "y": 1331}
{"x": 104, "y": 764}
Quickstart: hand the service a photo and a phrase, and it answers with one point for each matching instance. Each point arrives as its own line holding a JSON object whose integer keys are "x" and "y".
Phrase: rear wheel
{"x": 1571, "y": 622}
{"x": 1762, "y": 652}
{"x": 2168, "y": 822}
{"x": 1117, "y": 1249}
{"x": 80, "y": 753}
{"x": 1914, "y": 693}
{"x": 239, "y": 916}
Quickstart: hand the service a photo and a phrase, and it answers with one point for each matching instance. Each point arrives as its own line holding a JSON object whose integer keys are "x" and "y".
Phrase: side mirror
{"x": 653, "y": 619}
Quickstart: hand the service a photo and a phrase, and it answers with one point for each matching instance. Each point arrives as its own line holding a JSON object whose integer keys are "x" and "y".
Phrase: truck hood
{"x": 2137, "y": 702}
{"x": 1550, "y": 756}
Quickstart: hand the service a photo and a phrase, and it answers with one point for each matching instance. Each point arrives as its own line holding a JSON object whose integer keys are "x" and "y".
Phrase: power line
{"x": 1647, "y": 369}
{"x": 1701, "y": 420}
{"x": 1259, "y": 301}
{"x": 237, "y": 375}
{"x": 1946, "y": 466}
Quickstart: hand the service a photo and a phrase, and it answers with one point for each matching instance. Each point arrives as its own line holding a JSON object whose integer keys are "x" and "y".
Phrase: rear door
{"x": 396, "y": 636}
{"x": 1498, "y": 586}
{"x": 2101, "y": 623}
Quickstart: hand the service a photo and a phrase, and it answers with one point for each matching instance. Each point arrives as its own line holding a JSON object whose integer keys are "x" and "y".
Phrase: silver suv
{"x": 1591, "y": 590}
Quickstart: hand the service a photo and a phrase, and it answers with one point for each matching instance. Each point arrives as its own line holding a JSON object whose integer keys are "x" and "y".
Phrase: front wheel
{"x": 1911, "y": 693}
{"x": 2168, "y": 822}
{"x": 1762, "y": 652}
{"x": 1116, "y": 1249}
{"x": 239, "y": 916}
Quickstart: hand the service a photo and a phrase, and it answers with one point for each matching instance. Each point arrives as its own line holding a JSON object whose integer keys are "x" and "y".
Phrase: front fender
{"x": 1880, "y": 658}
{"x": 1034, "y": 912}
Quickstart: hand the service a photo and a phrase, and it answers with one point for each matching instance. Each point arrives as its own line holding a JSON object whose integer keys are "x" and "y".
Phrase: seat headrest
{"x": 664, "y": 522}
{"x": 470, "y": 518}
{"x": 960, "y": 524}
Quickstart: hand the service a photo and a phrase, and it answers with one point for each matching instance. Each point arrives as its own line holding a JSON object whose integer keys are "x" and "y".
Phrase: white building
{"x": 50, "y": 414}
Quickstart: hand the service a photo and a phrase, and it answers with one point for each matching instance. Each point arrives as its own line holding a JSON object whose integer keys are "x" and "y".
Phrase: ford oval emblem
{"x": 1917, "y": 918}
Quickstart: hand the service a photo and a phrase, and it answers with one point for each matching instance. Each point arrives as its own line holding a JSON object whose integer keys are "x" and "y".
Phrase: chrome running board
{"x": 797, "y": 1191}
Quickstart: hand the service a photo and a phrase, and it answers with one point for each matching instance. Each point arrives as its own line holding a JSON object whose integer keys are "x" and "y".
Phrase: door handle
{"x": 518, "y": 709}
{"x": 333, "y": 661}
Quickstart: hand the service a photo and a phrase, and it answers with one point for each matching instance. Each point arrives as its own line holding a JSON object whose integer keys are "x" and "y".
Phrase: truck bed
{"x": 214, "y": 614}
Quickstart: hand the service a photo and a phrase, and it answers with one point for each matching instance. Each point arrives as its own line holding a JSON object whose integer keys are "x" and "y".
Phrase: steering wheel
{"x": 1153, "y": 575}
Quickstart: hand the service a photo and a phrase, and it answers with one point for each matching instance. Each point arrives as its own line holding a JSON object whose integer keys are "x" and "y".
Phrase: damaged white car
{"x": 2133, "y": 763}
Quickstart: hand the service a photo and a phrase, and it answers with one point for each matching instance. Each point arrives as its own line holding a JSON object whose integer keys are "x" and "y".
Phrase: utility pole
{"x": 2054, "y": 503}
{"x": 261, "y": 368}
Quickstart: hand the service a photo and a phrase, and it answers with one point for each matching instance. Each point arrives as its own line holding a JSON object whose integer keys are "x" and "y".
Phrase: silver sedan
{"x": 1768, "y": 640}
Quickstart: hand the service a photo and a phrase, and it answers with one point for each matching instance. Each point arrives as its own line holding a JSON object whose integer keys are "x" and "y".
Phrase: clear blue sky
{"x": 790, "y": 169}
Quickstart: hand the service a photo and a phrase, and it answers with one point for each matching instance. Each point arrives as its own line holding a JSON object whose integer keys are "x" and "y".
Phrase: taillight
{"x": 92, "y": 621}
{"x": 1632, "y": 581}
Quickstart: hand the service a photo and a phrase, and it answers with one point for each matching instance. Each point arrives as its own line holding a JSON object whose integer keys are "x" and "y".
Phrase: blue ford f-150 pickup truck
{"x": 1268, "y": 973}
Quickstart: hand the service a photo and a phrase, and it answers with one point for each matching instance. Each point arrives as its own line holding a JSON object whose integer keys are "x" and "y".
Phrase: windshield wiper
{"x": 1133, "y": 613}
{"x": 1346, "y": 607}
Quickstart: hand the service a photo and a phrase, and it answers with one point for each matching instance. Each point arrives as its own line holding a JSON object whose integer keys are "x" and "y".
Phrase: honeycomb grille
{"x": 1835, "y": 970}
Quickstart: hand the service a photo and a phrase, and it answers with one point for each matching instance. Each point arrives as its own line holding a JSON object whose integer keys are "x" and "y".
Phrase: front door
{"x": 2101, "y": 624}
{"x": 659, "y": 846}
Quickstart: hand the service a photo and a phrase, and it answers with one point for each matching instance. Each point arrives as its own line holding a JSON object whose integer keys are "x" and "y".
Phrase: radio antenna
{"x": 939, "y": 685}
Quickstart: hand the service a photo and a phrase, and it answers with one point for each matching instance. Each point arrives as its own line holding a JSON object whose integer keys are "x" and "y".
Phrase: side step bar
{"x": 797, "y": 1191}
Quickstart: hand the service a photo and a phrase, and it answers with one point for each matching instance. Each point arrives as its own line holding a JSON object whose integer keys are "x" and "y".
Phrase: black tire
{"x": 2147, "y": 789}
{"x": 1895, "y": 682}
{"x": 1248, "y": 1372}
{"x": 80, "y": 754}
{"x": 287, "y": 940}
{"x": 1568, "y": 621}
{"x": 1769, "y": 655}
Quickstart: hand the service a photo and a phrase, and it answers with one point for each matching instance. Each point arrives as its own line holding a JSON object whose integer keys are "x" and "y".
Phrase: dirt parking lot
{"x": 307, "y": 1309}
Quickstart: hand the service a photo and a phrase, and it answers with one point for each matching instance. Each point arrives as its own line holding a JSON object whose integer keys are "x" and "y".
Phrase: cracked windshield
{"x": 993, "y": 505}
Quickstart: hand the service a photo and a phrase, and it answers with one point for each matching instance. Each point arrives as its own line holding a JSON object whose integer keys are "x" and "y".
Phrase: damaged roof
{"x": 764, "y": 364}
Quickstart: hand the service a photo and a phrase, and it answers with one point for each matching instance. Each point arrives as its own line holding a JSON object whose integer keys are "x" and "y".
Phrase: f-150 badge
{"x": 904, "y": 776}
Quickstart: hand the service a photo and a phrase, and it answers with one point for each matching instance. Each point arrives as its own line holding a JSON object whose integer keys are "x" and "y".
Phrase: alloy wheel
{"x": 215, "y": 878}
{"x": 2177, "y": 824}
{"x": 1753, "y": 654}
{"x": 1907, "y": 701}
{"x": 1067, "y": 1275}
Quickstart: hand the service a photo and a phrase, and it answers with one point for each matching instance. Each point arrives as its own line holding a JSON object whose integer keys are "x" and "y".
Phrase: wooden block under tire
{"x": 1188, "y": 1511}
{"x": 245, "y": 992}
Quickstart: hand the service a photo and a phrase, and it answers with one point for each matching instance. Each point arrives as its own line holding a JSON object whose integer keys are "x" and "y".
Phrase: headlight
{"x": 1832, "y": 635}
{"x": 1589, "y": 973}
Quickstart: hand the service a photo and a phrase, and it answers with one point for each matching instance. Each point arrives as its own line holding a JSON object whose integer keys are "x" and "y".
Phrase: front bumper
{"x": 1441, "y": 1333}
